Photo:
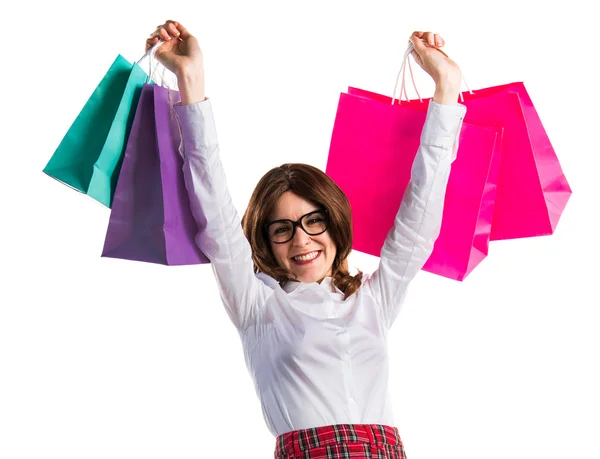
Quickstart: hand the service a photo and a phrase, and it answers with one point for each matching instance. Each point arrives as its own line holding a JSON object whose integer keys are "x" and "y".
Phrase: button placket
{"x": 346, "y": 364}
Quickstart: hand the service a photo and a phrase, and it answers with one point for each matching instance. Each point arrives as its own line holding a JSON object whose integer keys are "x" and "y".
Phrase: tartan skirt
{"x": 341, "y": 441}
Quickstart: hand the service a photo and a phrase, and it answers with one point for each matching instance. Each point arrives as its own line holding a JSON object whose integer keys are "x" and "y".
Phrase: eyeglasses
{"x": 312, "y": 223}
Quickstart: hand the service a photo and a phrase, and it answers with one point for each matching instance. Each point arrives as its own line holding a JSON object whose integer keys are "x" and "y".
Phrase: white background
{"x": 104, "y": 358}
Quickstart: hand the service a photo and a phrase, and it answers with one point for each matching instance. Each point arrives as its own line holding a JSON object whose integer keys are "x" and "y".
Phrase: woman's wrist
{"x": 446, "y": 94}
{"x": 191, "y": 86}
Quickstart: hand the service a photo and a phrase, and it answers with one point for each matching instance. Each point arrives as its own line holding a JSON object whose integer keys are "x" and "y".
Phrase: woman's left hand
{"x": 445, "y": 72}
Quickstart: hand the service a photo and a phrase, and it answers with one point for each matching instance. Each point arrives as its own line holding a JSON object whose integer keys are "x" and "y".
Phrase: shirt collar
{"x": 291, "y": 285}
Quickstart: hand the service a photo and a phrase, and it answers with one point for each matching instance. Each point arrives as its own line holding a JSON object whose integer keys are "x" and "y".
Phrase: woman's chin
{"x": 309, "y": 277}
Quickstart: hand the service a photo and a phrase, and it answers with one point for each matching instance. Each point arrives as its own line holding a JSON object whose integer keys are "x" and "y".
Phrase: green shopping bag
{"x": 89, "y": 156}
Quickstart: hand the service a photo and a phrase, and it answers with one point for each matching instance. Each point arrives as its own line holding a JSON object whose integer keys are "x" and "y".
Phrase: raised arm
{"x": 220, "y": 235}
{"x": 418, "y": 221}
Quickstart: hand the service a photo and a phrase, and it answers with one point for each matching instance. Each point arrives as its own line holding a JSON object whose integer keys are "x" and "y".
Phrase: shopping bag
{"x": 150, "y": 218}
{"x": 372, "y": 150}
{"x": 89, "y": 156}
{"x": 532, "y": 188}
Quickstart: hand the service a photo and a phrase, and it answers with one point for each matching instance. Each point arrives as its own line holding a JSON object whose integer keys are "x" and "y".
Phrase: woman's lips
{"x": 296, "y": 262}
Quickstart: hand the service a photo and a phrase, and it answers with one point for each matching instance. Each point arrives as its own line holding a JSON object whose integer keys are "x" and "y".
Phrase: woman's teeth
{"x": 307, "y": 257}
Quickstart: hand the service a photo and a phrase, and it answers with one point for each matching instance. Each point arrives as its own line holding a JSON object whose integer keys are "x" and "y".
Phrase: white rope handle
{"x": 402, "y": 72}
{"x": 150, "y": 55}
{"x": 170, "y": 92}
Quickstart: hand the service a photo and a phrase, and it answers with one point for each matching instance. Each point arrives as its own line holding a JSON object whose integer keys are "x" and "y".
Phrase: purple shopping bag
{"x": 150, "y": 218}
{"x": 372, "y": 150}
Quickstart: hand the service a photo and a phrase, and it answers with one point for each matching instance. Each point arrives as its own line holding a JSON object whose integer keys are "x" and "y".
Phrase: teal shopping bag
{"x": 89, "y": 156}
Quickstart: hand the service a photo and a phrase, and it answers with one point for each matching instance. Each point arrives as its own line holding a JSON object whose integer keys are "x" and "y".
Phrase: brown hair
{"x": 311, "y": 184}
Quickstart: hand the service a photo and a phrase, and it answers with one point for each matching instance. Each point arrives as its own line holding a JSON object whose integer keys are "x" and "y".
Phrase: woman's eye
{"x": 283, "y": 229}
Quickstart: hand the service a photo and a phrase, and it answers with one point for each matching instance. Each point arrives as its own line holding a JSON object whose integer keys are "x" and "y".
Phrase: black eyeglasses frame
{"x": 296, "y": 224}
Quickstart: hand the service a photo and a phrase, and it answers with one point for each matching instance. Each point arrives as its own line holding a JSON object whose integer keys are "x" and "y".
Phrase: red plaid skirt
{"x": 341, "y": 441}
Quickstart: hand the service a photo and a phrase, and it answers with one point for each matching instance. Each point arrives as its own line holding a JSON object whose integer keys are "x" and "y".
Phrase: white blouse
{"x": 315, "y": 358}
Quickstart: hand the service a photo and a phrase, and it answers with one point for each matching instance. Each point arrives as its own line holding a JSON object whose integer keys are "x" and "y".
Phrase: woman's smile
{"x": 306, "y": 258}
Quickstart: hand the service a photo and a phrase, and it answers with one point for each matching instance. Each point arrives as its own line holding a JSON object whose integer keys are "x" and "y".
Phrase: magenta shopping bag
{"x": 532, "y": 188}
{"x": 150, "y": 218}
{"x": 372, "y": 150}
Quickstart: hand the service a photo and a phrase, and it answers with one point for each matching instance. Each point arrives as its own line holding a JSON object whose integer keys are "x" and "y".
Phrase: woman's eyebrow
{"x": 283, "y": 218}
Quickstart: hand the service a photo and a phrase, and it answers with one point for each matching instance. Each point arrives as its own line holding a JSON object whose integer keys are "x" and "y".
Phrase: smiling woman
{"x": 314, "y": 336}
{"x": 301, "y": 245}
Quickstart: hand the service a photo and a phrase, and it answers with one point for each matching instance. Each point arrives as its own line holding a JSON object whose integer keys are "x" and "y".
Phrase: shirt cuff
{"x": 197, "y": 125}
{"x": 443, "y": 125}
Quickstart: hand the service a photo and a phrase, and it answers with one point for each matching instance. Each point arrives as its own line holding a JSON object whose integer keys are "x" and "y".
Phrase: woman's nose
{"x": 300, "y": 238}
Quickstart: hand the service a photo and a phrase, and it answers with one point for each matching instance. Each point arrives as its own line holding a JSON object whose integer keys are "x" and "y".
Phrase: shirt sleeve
{"x": 220, "y": 235}
{"x": 417, "y": 224}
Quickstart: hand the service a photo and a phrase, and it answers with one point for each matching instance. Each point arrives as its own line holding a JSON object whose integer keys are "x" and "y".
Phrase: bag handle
{"x": 151, "y": 69}
{"x": 402, "y": 71}
{"x": 170, "y": 95}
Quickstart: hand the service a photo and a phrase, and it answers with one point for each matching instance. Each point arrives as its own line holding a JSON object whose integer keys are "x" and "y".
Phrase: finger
{"x": 162, "y": 33}
{"x": 418, "y": 44}
{"x": 172, "y": 29}
{"x": 182, "y": 31}
{"x": 429, "y": 38}
{"x": 417, "y": 34}
{"x": 439, "y": 41}
{"x": 175, "y": 29}
{"x": 150, "y": 42}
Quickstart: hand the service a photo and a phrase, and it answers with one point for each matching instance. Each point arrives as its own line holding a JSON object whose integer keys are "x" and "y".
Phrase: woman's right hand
{"x": 444, "y": 71}
{"x": 181, "y": 54}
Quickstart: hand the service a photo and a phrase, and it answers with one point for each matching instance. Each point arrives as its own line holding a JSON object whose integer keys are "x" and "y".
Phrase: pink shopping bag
{"x": 532, "y": 188}
{"x": 372, "y": 150}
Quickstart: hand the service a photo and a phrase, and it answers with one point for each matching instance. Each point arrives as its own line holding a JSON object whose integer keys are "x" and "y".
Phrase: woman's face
{"x": 317, "y": 252}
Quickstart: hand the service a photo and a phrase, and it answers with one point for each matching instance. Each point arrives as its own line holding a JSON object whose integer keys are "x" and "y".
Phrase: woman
{"x": 314, "y": 336}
